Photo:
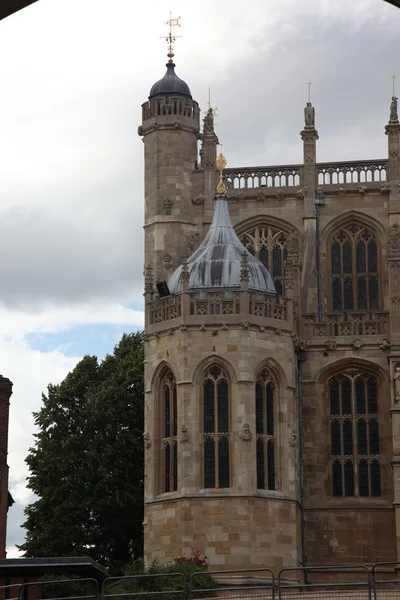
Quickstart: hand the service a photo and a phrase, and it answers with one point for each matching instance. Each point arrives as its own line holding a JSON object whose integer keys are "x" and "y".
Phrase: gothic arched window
{"x": 216, "y": 401}
{"x": 269, "y": 246}
{"x": 354, "y": 435}
{"x": 265, "y": 432}
{"x": 354, "y": 269}
{"x": 169, "y": 434}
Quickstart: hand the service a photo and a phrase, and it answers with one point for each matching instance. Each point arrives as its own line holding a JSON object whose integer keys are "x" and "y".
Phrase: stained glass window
{"x": 269, "y": 246}
{"x": 354, "y": 269}
{"x": 169, "y": 441}
{"x": 354, "y": 436}
{"x": 265, "y": 431}
{"x": 216, "y": 429}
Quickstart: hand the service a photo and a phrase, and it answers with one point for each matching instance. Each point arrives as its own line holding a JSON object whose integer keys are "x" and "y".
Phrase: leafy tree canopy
{"x": 86, "y": 467}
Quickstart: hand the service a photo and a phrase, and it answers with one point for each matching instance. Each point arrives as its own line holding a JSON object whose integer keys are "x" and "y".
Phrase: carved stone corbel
{"x": 245, "y": 434}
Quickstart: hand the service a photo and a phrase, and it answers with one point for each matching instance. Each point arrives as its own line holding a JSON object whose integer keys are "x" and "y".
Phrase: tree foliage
{"x": 86, "y": 466}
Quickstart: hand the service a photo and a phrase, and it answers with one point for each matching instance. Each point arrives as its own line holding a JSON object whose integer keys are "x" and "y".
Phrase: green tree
{"x": 86, "y": 466}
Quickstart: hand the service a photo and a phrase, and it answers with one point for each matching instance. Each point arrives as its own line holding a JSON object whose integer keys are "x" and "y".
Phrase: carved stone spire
{"x": 208, "y": 151}
{"x": 185, "y": 271}
{"x": 244, "y": 268}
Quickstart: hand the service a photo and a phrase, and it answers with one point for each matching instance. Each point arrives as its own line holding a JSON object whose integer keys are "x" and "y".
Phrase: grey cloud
{"x": 261, "y": 100}
{"x": 90, "y": 248}
{"x": 83, "y": 239}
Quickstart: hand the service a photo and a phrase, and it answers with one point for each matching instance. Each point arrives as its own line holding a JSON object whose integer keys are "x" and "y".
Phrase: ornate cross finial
{"x": 220, "y": 163}
{"x": 170, "y": 39}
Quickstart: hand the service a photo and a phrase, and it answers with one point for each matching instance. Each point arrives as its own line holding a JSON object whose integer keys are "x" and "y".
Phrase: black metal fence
{"x": 325, "y": 583}
{"x": 345, "y": 582}
{"x": 238, "y": 584}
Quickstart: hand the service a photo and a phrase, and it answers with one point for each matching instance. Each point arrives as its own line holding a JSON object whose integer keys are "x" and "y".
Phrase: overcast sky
{"x": 73, "y": 76}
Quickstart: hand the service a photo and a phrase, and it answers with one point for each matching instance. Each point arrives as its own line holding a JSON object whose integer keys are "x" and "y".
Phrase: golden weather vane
{"x": 170, "y": 38}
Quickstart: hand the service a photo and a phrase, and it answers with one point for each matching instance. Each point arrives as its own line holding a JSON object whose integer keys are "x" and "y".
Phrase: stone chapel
{"x": 272, "y": 348}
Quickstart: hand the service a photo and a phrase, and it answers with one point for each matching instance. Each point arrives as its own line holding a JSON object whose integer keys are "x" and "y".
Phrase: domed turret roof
{"x": 217, "y": 261}
{"x": 170, "y": 84}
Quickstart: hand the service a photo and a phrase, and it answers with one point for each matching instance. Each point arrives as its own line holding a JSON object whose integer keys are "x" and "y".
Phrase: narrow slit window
{"x": 265, "y": 431}
{"x": 169, "y": 436}
{"x": 216, "y": 445}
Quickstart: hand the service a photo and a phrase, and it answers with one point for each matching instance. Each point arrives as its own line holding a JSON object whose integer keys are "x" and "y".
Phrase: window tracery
{"x": 216, "y": 408}
{"x": 169, "y": 434}
{"x": 354, "y": 435}
{"x": 354, "y": 269}
{"x": 265, "y": 431}
{"x": 269, "y": 245}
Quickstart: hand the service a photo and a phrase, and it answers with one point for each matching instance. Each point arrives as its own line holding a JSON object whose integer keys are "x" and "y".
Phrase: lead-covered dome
{"x": 217, "y": 261}
{"x": 170, "y": 85}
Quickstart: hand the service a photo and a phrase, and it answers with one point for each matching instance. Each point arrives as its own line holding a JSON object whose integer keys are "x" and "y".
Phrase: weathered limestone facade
{"x": 329, "y": 234}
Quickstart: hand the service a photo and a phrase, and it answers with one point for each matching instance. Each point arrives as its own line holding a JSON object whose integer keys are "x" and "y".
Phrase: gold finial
{"x": 171, "y": 38}
{"x": 220, "y": 163}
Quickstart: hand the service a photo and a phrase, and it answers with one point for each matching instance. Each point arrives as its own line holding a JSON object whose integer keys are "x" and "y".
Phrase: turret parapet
{"x": 213, "y": 307}
{"x": 157, "y": 113}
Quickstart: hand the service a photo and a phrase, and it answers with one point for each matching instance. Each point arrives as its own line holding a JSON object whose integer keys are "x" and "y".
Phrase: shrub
{"x": 166, "y": 578}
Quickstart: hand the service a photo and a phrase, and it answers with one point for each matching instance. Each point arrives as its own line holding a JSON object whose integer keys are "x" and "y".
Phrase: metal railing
{"x": 6, "y": 591}
{"x": 386, "y": 581}
{"x": 163, "y": 586}
{"x": 60, "y": 589}
{"x": 323, "y": 583}
{"x": 380, "y": 581}
{"x": 241, "y": 584}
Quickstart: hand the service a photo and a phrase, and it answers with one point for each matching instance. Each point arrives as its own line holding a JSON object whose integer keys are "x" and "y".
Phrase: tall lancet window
{"x": 354, "y": 269}
{"x": 169, "y": 434}
{"x": 269, "y": 245}
{"x": 216, "y": 396}
{"x": 354, "y": 433}
{"x": 265, "y": 431}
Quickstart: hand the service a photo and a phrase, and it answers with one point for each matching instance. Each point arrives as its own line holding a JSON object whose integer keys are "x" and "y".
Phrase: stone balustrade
{"x": 351, "y": 323}
{"x": 365, "y": 171}
{"x": 232, "y": 306}
{"x": 261, "y": 177}
{"x": 335, "y": 173}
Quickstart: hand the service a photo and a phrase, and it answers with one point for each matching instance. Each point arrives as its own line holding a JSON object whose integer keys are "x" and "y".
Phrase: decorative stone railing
{"x": 346, "y": 324}
{"x": 261, "y": 177}
{"x": 233, "y": 306}
{"x": 366, "y": 171}
{"x": 337, "y": 173}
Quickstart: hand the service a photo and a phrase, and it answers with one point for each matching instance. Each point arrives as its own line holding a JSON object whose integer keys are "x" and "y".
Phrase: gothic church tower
{"x": 221, "y": 451}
